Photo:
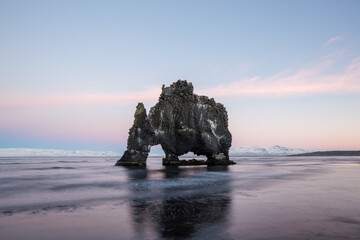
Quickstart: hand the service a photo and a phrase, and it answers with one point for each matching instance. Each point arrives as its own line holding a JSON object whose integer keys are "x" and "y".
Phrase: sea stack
{"x": 180, "y": 122}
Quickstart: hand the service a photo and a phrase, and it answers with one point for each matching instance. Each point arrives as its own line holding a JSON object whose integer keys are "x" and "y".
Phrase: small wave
{"x": 61, "y": 206}
{"x": 83, "y": 161}
{"x": 111, "y": 160}
{"x": 87, "y": 185}
{"x": 38, "y": 209}
{"x": 16, "y": 163}
{"x": 51, "y": 168}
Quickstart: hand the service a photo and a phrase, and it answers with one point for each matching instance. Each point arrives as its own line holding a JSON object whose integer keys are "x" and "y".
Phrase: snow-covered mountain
{"x": 32, "y": 152}
{"x": 234, "y": 151}
{"x": 263, "y": 151}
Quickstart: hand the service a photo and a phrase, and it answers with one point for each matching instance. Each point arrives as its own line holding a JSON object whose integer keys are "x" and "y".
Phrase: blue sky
{"x": 71, "y": 72}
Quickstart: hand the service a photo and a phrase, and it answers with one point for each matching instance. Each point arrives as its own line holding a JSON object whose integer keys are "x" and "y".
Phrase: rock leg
{"x": 170, "y": 159}
{"x": 219, "y": 159}
{"x": 133, "y": 158}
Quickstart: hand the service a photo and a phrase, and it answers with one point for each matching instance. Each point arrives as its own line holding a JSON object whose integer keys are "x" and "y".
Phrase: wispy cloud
{"x": 334, "y": 39}
{"x": 312, "y": 80}
{"x": 78, "y": 99}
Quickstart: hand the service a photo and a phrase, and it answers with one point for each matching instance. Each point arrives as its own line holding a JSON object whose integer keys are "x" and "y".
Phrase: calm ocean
{"x": 258, "y": 198}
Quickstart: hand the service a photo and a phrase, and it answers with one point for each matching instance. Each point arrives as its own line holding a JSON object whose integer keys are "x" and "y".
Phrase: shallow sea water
{"x": 258, "y": 198}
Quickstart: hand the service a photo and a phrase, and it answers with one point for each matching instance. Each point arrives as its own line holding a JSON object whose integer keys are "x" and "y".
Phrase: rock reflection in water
{"x": 181, "y": 202}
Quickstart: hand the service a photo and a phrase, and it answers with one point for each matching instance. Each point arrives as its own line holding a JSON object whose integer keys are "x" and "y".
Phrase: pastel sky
{"x": 72, "y": 72}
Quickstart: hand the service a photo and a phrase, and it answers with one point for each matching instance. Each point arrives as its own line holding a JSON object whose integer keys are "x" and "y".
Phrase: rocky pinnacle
{"x": 180, "y": 122}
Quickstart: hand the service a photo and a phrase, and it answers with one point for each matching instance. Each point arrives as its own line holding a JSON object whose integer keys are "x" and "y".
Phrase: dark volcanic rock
{"x": 180, "y": 122}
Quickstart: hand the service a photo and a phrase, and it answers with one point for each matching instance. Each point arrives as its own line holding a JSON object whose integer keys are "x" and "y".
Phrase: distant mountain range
{"x": 235, "y": 151}
{"x": 32, "y": 152}
{"x": 266, "y": 151}
{"x": 329, "y": 153}
{"x": 244, "y": 151}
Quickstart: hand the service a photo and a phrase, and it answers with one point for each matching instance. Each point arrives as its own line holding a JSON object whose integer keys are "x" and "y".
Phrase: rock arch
{"x": 180, "y": 122}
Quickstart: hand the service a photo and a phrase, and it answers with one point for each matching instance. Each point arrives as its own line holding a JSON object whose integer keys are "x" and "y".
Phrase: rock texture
{"x": 180, "y": 122}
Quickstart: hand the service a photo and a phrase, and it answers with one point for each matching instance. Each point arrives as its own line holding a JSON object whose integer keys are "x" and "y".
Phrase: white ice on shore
{"x": 265, "y": 151}
{"x": 234, "y": 151}
{"x": 33, "y": 152}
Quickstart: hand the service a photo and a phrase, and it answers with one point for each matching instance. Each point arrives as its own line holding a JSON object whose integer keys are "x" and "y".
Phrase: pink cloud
{"x": 334, "y": 39}
{"x": 78, "y": 99}
{"x": 312, "y": 80}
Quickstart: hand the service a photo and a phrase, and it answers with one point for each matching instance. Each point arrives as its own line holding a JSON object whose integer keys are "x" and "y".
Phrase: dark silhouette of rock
{"x": 180, "y": 122}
